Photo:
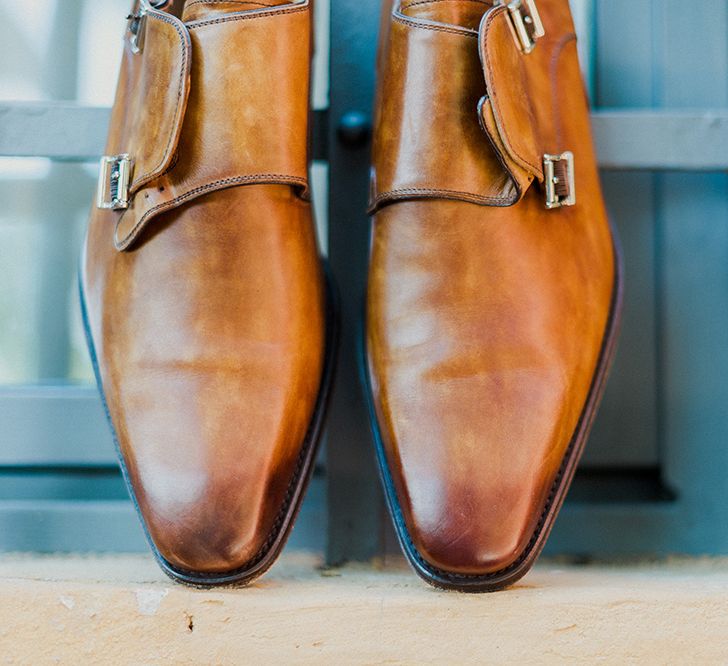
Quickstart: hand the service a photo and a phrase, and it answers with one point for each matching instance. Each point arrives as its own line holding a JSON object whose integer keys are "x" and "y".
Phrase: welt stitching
{"x": 436, "y": 28}
{"x": 183, "y": 70}
{"x": 217, "y": 184}
{"x": 246, "y": 17}
{"x": 494, "y": 93}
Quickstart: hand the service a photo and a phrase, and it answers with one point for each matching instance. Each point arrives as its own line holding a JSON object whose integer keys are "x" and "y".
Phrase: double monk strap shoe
{"x": 494, "y": 282}
{"x": 207, "y": 310}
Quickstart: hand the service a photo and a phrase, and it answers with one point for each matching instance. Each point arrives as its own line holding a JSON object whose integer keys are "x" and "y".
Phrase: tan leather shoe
{"x": 493, "y": 292}
{"x": 203, "y": 291}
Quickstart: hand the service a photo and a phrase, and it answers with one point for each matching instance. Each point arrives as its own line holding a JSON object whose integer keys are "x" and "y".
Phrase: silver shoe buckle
{"x": 559, "y": 180}
{"x": 113, "y": 187}
{"x": 525, "y": 22}
{"x": 137, "y": 29}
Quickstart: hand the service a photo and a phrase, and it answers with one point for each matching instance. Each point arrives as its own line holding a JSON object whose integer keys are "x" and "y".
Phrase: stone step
{"x": 121, "y": 610}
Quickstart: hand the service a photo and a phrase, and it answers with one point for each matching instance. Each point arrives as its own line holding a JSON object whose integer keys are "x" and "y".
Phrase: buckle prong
{"x": 113, "y": 186}
{"x": 559, "y": 180}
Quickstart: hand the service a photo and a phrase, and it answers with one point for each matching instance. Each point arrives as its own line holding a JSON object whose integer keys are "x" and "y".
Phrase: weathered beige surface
{"x": 121, "y": 610}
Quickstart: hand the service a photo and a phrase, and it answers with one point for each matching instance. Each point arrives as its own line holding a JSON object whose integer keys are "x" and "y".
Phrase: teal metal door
{"x": 653, "y": 477}
{"x": 664, "y": 422}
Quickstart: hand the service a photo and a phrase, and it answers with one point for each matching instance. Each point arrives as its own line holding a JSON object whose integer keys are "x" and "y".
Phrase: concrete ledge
{"x": 122, "y": 610}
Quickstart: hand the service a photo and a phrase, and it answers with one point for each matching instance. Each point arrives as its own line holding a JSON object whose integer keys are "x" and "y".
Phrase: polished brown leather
{"x": 490, "y": 319}
{"x": 205, "y": 298}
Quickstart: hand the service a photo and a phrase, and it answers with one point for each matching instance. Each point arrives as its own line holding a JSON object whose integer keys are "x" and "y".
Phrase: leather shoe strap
{"x": 245, "y": 120}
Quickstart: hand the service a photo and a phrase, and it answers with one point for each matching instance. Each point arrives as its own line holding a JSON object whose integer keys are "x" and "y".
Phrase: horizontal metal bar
{"x": 59, "y": 525}
{"x": 63, "y": 526}
{"x": 54, "y": 426}
{"x": 662, "y": 140}
{"x": 658, "y": 528}
{"x": 626, "y": 139}
{"x": 68, "y": 132}
{"x": 59, "y": 130}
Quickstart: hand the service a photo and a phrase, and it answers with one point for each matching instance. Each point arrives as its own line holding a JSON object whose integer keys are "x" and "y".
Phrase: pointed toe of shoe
{"x": 470, "y": 503}
{"x": 216, "y": 478}
{"x": 483, "y": 382}
{"x": 471, "y": 532}
{"x": 211, "y": 347}
{"x": 210, "y": 525}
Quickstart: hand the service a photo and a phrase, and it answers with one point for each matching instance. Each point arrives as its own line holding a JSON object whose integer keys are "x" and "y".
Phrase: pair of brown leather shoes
{"x": 492, "y": 299}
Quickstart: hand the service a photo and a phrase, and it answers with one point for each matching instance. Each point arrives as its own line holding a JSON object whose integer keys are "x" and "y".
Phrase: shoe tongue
{"x": 202, "y": 9}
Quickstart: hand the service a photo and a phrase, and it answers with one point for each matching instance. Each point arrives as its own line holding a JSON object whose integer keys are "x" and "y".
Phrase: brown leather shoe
{"x": 493, "y": 292}
{"x": 204, "y": 296}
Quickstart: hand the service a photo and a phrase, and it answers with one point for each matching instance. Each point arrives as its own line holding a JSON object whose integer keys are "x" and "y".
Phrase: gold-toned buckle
{"x": 525, "y": 22}
{"x": 113, "y": 187}
{"x": 559, "y": 180}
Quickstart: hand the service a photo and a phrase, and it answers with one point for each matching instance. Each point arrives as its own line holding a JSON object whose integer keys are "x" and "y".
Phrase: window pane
{"x": 64, "y": 50}
{"x": 52, "y": 50}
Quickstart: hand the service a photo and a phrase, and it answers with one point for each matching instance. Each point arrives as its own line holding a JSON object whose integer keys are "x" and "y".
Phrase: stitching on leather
{"x": 228, "y": 2}
{"x": 464, "y": 32}
{"x": 417, "y": 3}
{"x": 285, "y": 9}
{"x": 553, "y": 71}
{"x": 426, "y": 190}
{"x": 138, "y": 182}
{"x": 282, "y": 179}
{"x": 494, "y": 93}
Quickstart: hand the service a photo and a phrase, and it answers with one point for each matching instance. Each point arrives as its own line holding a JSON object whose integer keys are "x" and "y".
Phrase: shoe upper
{"x": 204, "y": 296}
{"x": 486, "y": 312}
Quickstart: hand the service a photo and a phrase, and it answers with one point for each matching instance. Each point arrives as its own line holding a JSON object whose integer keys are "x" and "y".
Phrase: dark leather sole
{"x": 275, "y": 542}
{"x": 503, "y": 578}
